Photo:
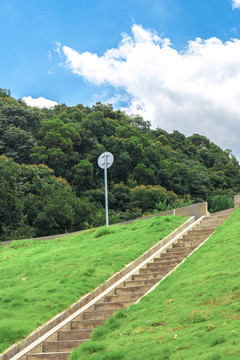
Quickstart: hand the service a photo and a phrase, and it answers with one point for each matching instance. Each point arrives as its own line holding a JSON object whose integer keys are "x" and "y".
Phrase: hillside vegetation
{"x": 193, "y": 314}
{"x": 40, "y": 279}
{"x": 50, "y": 182}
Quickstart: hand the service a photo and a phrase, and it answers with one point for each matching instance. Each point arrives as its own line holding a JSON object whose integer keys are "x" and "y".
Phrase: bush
{"x": 221, "y": 202}
{"x": 146, "y": 197}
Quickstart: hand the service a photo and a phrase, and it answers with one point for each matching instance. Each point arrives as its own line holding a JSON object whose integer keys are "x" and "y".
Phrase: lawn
{"x": 40, "y": 279}
{"x": 193, "y": 314}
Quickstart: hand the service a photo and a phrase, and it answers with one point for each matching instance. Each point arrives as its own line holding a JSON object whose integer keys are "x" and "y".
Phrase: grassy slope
{"x": 193, "y": 314}
{"x": 39, "y": 279}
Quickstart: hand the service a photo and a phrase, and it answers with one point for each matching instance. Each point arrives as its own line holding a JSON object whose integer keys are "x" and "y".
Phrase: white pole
{"x": 106, "y": 190}
{"x": 105, "y": 160}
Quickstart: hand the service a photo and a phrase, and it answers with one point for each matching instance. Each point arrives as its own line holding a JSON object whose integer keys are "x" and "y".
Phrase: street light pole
{"x": 106, "y": 187}
{"x": 105, "y": 160}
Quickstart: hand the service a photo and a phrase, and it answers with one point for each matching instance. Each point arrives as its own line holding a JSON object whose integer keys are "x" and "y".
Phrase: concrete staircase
{"x": 59, "y": 345}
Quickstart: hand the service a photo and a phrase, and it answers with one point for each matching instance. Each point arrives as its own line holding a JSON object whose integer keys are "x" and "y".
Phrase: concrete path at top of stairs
{"x": 59, "y": 345}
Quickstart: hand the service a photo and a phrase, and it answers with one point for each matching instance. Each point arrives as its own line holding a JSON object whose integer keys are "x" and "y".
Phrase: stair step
{"x": 98, "y": 314}
{"x": 192, "y": 244}
{"x": 212, "y": 223}
{"x": 155, "y": 276}
{"x": 161, "y": 262}
{"x": 202, "y": 230}
{"x": 49, "y": 356}
{"x": 74, "y": 334}
{"x": 158, "y": 269}
{"x": 179, "y": 254}
{"x": 139, "y": 282}
{"x": 112, "y": 305}
{"x": 191, "y": 240}
{"x": 198, "y": 233}
{"x": 133, "y": 289}
{"x": 178, "y": 251}
{"x": 86, "y": 324}
{"x": 196, "y": 236}
{"x": 176, "y": 258}
{"x": 61, "y": 346}
{"x": 174, "y": 254}
{"x": 124, "y": 297}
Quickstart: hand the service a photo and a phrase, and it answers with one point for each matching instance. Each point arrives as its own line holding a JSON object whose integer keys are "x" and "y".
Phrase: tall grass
{"x": 40, "y": 279}
{"x": 193, "y": 314}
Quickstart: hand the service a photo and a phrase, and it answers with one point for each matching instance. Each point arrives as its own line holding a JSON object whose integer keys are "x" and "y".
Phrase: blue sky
{"x": 61, "y": 50}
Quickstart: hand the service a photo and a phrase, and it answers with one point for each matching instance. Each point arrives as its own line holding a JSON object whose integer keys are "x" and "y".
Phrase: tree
{"x": 199, "y": 141}
{"x": 11, "y": 199}
{"x": 120, "y": 194}
{"x": 177, "y": 139}
{"x": 17, "y": 144}
{"x": 83, "y": 176}
{"x": 56, "y": 146}
{"x": 33, "y": 202}
{"x": 19, "y": 116}
{"x": 143, "y": 175}
{"x": 179, "y": 178}
{"x": 99, "y": 125}
{"x": 147, "y": 197}
{"x": 122, "y": 167}
{"x": 5, "y": 93}
{"x": 199, "y": 185}
{"x": 138, "y": 122}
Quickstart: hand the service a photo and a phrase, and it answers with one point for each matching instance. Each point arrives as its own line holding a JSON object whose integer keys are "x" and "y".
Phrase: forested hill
{"x": 50, "y": 181}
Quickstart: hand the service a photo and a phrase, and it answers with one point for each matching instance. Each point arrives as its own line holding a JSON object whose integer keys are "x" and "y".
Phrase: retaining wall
{"x": 196, "y": 210}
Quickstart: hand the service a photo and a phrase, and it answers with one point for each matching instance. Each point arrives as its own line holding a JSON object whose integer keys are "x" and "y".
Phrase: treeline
{"x": 50, "y": 181}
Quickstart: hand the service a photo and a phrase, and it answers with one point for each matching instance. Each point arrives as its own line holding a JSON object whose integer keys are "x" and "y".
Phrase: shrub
{"x": 221, "y": 202}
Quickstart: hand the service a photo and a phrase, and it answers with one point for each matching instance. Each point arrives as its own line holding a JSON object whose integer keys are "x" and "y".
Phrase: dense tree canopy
{"x": 51, "y": 183}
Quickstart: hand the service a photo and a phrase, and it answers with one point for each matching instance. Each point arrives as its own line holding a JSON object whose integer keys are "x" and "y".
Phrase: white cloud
{"x": 236, "y": 4}
{"x": 193, "y": 91}
{"x": 58, "y": 48}
{"x": 40, "y": 102}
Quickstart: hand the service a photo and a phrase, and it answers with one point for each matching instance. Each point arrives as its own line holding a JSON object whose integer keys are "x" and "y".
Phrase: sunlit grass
{"x": 40, "y": 279}
{"x": 193, "y": 314}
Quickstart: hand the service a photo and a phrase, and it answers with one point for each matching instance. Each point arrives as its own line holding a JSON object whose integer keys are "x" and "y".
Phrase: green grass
{"x": 193, "y": 314}
{"x": 40, "y": 279}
